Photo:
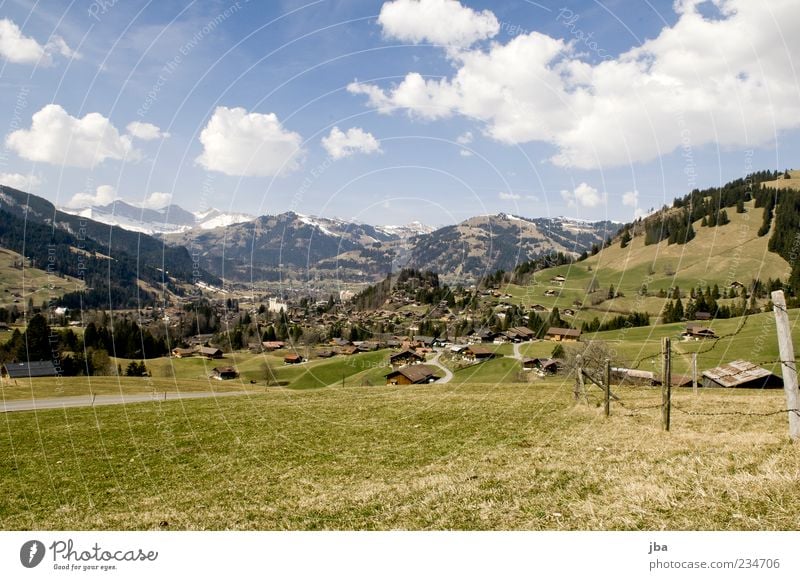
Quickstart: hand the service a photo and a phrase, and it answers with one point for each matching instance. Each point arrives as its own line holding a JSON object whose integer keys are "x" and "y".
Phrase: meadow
{"x": 457, "y": 456}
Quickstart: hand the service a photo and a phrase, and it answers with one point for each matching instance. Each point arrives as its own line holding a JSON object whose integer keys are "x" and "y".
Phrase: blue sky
{"x": 389, "y": 112}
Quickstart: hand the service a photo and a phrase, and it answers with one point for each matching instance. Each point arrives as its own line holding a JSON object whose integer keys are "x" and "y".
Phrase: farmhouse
{"x": 632, "y": 377}
{"x": 563, "y": 334}
{"x": 33, "y": 369}
{"x": 326, "y": 354}
{"x": 697, "y": 332}
{"x": 406, "y": 357}
{"x": 741, "y": 374}
{"x": 183, "y": 352}
{"x": 292, "y": 359}
{"x": 209, "y": 352}
{"x": 413, "y": 375}
{"x": 539, "y": 308}
{"x": 479, "y": 353}
{"x": 270, "y": 345}
{"x": 702, "y": 316}
{"x": 522, "y": 332}
{"x": 545, "y": 365}
{"x": 224, "y": 373}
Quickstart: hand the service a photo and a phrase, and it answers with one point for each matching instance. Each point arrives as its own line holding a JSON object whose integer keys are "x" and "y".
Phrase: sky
{"x": 397, "y": 111}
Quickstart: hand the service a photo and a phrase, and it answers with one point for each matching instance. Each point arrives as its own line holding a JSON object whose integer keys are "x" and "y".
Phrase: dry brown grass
{"x": 494, "y": 456}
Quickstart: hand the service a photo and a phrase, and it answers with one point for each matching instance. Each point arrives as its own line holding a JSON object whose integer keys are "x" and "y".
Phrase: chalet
{"x": 183, "y": 352}
{"x": 702, "y": 316}
{"x": 425, "y": 341}
{"x": 210, "y": 352}
{"x": 479, "y": 353}
{"x": 568, "y": 312}
{"x": 563, "y": 334}
{"x": 485, "y": 335}
{"x": 200, "y": 339}
{"x": 550, "y": 293}
{"x": 292, "y": 359}
{"x": 632, "y": 377}
{"x": 544, "y": 365}
{"x": 270, "y": 345}
{"x": 539, "y": 308}
{"x": 326, "y": 354}
{"x": 340, "y": 342}
{"x": 407, "y": 357}
{"x": 741, "y": 374}
{"x": 697, "y": 332}
{"x": 4, "y": 327}
{"x": 224, "y": 373}
{"x": 348, "y": 350}
{"x": 26, "y": 370}
{"x": 523, "y": 332}
{"x": 736, "y": 285}
{"x": 413, "y": 375}
{"x": 558, "y": 279}
{"x": 458, "y": 348}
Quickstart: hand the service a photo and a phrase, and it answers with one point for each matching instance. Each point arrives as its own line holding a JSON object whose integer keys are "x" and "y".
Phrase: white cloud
{"x": 583, "y": 196}
{"x": 465, "y": 153}
{"x": 20, "y": 49}
{"x": 156, "y": 200}
{"x": 465, "y": 138}
{"x": 339, "y": 144}
{"x": 444, "y": 22}
{"x": 509, "y": 196}
{"x": 630, "y": 198}
{"x": 239, "y": 143}
{"x": 58, "y": 138}
{"x": 145, "y": 131}
{"x": 697, "y": 81}
{"x": 19, "y": 181}
{"x": 104, "y": 195}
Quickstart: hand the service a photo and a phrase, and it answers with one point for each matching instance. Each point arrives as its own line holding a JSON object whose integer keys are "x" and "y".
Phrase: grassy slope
{"x": 716, "y": 256}
{"x": 30, "y": 282}
{"x": 428, "y": 457}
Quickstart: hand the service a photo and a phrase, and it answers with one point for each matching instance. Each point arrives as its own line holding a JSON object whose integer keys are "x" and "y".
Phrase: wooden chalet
{"x": 406, "y": 357}
{"x": 543, "y": 365}
{"x": 224, "y": 373}
{"x": 479, "y": 353}
{"x": 210, "y": 352}
{"x": 563, "y": 334}
{"x": 697, "y": 332}
{"x": 292, "y": 359}
{"x": 183, "y": 352}
{"x": 413, "y": 375}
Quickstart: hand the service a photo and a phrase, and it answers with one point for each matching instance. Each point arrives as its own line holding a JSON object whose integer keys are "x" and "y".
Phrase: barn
{"x": 741, "y": 374}
{"x": 406, "y": 357}
{"x": 413, "y": 375}
{"x": 33, "y": 369}
{"x": 563, "y": 334}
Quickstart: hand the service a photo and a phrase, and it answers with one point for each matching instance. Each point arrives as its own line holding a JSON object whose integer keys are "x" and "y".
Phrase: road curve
{"x": 102, "y": 400}
{"x": 448, "y": 374}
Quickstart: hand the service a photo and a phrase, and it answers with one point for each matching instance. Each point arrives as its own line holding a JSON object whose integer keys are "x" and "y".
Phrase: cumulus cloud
{"x": 465, "y": 153}
{"x": 145, "y": 131}
{"x": 630, "y": 198}
{"x": 339, "y": 144}
{"x": 695, "y": 80}
{"x": 156, "y": 200}
{"x": 465, "y": 138}
{"x": 509, "y": 196}
{"x": 583, "y": 196}
{"x": 444, "y": 22}
{"x": 58, "y": 138}
{"x": 239, "y": 143}
{"x": 19, "y": 181}
{"x": 20, "y": 49}
{"x": 103, "y": 195}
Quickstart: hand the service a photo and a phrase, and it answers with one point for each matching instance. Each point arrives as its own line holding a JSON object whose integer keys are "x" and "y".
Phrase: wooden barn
{"x": 406, "y": 357}
{"x": 413, "y": 375}
{"x": 563, "y": 334}
{"x": 224, "y": 373}
{"x": 479, "y": 353}
{"x": 741, "y": 374}
{"x": 33, "y": 369}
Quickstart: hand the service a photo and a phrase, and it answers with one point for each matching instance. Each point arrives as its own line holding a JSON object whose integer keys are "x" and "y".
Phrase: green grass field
{"x": 458, "y": 456}
{"x": 30, "y": 283}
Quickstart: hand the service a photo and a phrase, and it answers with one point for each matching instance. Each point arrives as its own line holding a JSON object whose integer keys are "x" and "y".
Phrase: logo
{"x": 31, "y": 553}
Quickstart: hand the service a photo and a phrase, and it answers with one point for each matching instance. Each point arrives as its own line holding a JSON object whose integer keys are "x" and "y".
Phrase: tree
{"x": 740, "y": 206}
{"x": 625, "y": 239}
{"x": 611, "y": 292}
{"x": 37, "y": 340}
{"x": 558, "y": 351}
{"x": 593, "y": 357}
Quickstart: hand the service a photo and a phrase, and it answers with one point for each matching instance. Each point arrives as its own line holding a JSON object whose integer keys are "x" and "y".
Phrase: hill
{"x": 120, "y": 268}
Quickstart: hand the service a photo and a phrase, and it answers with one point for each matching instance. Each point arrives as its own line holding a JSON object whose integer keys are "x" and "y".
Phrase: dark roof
{"x": 417, "y": 373}
{"x": 406, "y": 354}
{"x": 478, "y": 350}
{"x": 424, "y": 339}
{"x": 22, "y": 370}
{"x": 225, "y": 370}
{"x": 563, "y": 331}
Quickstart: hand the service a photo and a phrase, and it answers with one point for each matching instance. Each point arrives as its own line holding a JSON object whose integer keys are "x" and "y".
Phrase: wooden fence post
{"x": 578, "y": 378}
{"x": 788, "y": 364}
{"x": 666, "y": 383}
{"x": 694, "y": 373}
{"x": 608, "y": 388}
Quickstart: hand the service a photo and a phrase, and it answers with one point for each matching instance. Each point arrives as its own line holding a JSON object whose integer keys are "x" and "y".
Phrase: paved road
{"x": 86, "y": 400}
{"x": 517, "y": 354}
{"x": 448, "y": 375}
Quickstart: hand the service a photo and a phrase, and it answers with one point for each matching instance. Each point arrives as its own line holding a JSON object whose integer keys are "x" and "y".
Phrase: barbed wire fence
{"x": 632, "y": 409}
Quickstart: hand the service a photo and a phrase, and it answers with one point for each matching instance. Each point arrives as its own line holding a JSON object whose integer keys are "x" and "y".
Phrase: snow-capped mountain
{"x": 167, "y": 220}
{"x": 407, "y": 231}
